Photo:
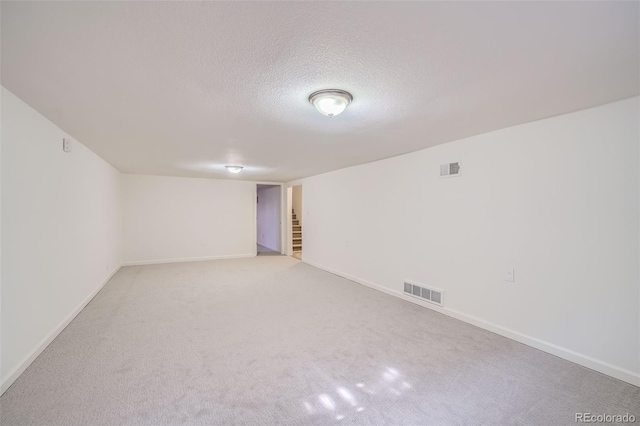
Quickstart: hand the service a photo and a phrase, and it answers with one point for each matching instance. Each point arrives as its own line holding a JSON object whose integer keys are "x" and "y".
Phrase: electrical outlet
{"x": 510, "y": 276}
{"x": 66, "y": 145}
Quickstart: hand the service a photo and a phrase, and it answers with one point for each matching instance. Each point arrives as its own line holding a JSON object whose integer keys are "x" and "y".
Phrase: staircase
{"x": 296, "y": 233}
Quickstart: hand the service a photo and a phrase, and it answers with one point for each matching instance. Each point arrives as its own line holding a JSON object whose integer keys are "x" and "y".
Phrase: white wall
{"x": 269, "y": 217}
{"x": 172, "y": 218}
{"x": 2, "y": 382}
{"x": 61, "y": 232}
{"x": 556, "y": 199}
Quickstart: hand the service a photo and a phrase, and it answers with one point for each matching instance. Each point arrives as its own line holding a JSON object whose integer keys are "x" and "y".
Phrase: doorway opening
{"x": 295, "y": 224}
{"x": 268, "y": 220}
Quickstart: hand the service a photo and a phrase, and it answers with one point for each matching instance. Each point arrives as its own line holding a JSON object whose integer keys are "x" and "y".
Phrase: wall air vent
{"x": 424, "y": 293}
{"x": 450, "y": 169}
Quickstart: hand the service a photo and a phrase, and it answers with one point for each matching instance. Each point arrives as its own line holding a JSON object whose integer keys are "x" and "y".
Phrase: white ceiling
{"x": 184, "y": 88}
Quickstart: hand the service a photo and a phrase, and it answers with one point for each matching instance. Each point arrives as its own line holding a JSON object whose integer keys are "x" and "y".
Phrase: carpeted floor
{"x": 270, "y": 340}
{"x": 266, "y": 251}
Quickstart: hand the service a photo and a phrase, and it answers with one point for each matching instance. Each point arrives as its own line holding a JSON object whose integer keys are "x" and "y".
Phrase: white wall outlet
{"x": 510, "y": 276}
{"x": 66, "y": 145}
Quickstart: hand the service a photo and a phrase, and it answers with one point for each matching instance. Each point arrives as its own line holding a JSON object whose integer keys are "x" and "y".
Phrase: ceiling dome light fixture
{"x": 330, "y": 102}
{"x": 234, "y": 169}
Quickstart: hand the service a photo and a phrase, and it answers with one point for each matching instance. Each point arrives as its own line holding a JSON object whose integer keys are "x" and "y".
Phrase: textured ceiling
{"x": 184, "y": 88}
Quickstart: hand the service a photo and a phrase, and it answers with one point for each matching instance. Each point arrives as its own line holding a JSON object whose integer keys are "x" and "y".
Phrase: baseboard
{"x": 567, "y": 354}
{"x": 26, "y": 362}
{"x": 186, "y": 259}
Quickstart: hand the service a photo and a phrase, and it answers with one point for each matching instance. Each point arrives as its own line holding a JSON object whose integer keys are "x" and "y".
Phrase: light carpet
{"x": 266, "y": 251}
{"x": 271, "y": 340}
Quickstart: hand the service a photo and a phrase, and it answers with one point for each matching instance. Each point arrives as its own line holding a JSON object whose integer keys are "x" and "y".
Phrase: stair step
{"x": 299, "y": 228}
{"x": 296, "y": 222}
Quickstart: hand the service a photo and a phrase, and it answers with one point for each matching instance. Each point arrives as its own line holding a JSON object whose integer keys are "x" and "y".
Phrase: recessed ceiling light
{"x": 234, "y": 169}
{"x": 330, "y": 102}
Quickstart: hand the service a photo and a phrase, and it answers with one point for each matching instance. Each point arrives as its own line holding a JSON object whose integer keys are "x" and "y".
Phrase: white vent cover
{"x": 450, "y": 169}
{"x": 429, "y": 294}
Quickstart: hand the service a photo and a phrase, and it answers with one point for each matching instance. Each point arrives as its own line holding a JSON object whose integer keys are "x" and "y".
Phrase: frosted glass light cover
{"x": 234, "y": 169}
{"x": 330, "y": 102}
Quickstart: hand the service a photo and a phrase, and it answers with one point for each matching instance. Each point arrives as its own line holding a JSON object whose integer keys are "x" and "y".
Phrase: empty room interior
{"x": 323, "y": 213}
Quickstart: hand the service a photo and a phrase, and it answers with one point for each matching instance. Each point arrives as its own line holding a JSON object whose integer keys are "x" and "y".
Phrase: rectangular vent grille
{"x": 428, "y": 294}
{"x": 450, "y": 169}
